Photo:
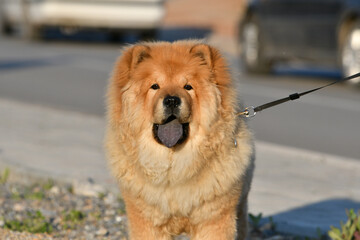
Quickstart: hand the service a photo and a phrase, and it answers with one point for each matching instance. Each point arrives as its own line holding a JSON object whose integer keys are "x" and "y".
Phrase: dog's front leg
{"x": 222, "y": 227}
{"x": 140, "y": 227}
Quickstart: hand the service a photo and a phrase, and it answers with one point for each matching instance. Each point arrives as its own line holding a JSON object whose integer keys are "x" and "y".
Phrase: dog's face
{"x": 170, "y": 90}
{"x": 171, "y": 110}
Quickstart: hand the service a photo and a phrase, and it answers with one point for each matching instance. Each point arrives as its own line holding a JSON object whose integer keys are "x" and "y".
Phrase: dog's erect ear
{"x": 137, "y": 54}
{"x": 212, "y": 57}
{"x": 204, "y": 52}
{"x": 130, "y": 58}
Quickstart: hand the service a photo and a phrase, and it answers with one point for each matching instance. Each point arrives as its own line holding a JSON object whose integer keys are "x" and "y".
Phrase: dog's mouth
{"x": 171, "y": 132}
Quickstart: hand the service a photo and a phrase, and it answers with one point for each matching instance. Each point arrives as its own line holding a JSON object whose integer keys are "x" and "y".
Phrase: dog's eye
{"x": 155, "y": 86}
{"x": 188, "y": 87}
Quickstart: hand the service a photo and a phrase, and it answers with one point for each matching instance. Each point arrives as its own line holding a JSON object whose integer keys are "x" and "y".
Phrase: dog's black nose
{"x": 172, "y": 102}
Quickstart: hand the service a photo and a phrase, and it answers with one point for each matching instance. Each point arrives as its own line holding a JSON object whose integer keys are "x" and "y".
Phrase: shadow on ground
{"x": 308, "y": 219}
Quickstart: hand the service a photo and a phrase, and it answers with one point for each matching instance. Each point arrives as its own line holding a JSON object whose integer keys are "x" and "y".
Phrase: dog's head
{"x": 169, "y": 90}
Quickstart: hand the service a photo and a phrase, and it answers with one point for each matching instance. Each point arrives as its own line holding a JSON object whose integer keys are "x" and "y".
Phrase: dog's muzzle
{"x": 171, "y": 131}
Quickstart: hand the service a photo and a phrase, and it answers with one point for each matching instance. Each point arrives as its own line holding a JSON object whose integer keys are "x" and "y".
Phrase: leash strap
{"x": 251, "y": 111}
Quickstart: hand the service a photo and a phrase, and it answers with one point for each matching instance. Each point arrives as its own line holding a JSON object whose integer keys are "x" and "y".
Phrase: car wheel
{"x": 6, "y": 28}
{"x": 251, "y": 45}
{"x": 350, "y": 53}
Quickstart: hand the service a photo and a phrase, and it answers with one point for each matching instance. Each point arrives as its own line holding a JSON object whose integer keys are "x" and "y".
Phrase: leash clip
{"x": 249, "y": 112}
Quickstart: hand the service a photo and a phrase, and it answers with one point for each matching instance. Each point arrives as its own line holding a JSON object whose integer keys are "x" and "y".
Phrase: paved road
{"x": 73, "y": 76}
{"x": 326, "y": 121}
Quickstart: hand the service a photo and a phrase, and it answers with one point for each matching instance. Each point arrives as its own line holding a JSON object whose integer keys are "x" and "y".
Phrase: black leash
{"x": 251, "y": 111}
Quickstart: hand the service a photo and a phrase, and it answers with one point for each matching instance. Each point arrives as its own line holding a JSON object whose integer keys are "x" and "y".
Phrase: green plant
{"x": 272, "y": 224}
{"x": 70, "y": 189}
{"x": 34, "y": 223}
{"x": 4, "y": 176}
{"x": 122, "y": 208}
{"x": 48, "y": 184}
{"x": 72, "y": 218}
{"x": 15, "y": 194}
{"x": 101, "y": 195}
{"x": 321, "y": 235}
{"x": 348, "y": 231}
{"x": 96, "y": 215}
{"x": 33, "y": 192}
{"x": 36, "y": 195}
{"x": 255, "y": 221}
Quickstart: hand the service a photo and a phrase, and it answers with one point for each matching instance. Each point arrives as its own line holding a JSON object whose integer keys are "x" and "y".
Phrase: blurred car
{"x": 116, "y": 15}
{"x": 318, "y": 32}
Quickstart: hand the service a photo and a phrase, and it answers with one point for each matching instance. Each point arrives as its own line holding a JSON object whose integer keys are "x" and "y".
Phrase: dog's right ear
{"x": 128, "y": 61}
{"x": 130, "y": 58}
{"x": 136, "y": 55}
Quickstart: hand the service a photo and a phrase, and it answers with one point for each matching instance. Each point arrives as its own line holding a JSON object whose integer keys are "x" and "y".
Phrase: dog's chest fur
{"x": 176, "y": 183}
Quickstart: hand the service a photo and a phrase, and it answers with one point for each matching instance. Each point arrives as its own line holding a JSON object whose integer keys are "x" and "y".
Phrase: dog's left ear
{"x": 212, "y": 57}
{"x": 204, "y": 52}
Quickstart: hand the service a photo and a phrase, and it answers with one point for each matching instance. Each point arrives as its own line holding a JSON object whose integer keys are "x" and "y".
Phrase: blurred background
{"x": 56, "y": 57}
{"x": 60, "y": 53}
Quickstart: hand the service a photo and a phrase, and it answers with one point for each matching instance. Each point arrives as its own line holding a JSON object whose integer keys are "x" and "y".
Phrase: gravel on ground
{"x": 48, "y": 210}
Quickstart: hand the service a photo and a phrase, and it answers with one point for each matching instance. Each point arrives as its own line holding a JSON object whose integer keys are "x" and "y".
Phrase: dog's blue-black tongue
{"x": 170, "y": 133}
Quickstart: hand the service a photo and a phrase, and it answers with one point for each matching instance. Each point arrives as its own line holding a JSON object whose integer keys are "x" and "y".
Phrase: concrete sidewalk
{"x": 301, "y": 190}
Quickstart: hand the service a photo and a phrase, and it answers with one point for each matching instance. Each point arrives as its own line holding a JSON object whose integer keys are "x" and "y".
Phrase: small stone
{"x": 57, "y": 220}
{"x": 18, "y": 207}
{"x": 102, "y": 232}
{"x": 110, "y": 199}
{"x": 88, "y": 189}
{"x": 119, "y": 219}
{"x": 55, "y": 190}
{"x": 90, "y": 236}
{"x": 19, "y": 217}
{"x": 48, "y": 213}
{"x": 110, "y": 212}
{"x": 72, "y": 234}
{"x": 88, "y": 228}
{"x": 2, "y": 223}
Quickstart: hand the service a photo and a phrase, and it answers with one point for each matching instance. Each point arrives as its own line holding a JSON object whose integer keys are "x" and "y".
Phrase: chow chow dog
{"x": 182, "y": 158}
